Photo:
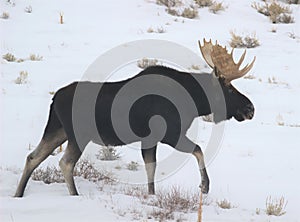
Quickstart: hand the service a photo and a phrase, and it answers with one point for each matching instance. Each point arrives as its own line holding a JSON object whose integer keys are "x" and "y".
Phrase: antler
{"x": 206, "y": 51}
{"x": 218, "y": 58}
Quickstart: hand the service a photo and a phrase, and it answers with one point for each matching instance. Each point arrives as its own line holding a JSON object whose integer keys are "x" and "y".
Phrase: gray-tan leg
{"x": 204, "y": 177}
{"x": 67, "y": 164}
{"x": 43, "y": 150}
{"x": 149, "y": 156}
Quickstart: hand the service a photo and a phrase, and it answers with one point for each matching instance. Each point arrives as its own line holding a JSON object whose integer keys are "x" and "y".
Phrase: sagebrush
{"x": 176, "y": 199}
{"x": 204, "y": 3}
{"x": 275, "y": 207}
{"x": 84, "y": 168}
{"x": 108, "y": 153}
{"x": 22, "y": 78}
{"x": 146, "y": 62}
{"x": 247, "y": 41}
{"x": 225, "y": 204}
{"x": 277, "y": 12}
{"x": 133, "y": 166}
{"x": 216, "y": 7}
{"x": 5, "y": 15}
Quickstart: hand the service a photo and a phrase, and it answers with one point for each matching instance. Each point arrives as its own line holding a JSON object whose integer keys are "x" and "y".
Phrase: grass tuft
{"x": 34, "y": 57}
{"x": 5, "y": 15}
{"x": 204, "y": 3}
{"x": 277, "y": 13}
{"x": 146, "y": 62}
{"x": 108, "y": 153}
{"x": 275, "y": 207}
{"x": 216, "y": 7}
{"x": 248, "y": 41}
{"x": 84, "y": 168}
{"x": 225, "y": 204}
{"x": 9, "y": 57}
{"x": 22, "y": 78}
{"x": 133, "y": 166}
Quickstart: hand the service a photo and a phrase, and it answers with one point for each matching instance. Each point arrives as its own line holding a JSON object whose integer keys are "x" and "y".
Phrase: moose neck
{"x": 208, "y": 95}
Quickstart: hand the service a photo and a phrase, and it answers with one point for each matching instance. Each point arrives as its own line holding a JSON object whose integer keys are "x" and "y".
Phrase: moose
{"x": 151, "y": 114}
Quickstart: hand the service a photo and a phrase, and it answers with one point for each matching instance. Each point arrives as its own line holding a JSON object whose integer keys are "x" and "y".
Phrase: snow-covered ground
{"x": 257, "y": 158}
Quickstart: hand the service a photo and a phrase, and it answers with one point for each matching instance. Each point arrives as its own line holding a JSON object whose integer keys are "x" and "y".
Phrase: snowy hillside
{"x": 257, "y": 159}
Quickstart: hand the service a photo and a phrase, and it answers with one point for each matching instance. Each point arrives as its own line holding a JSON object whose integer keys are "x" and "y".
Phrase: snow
{"x": 256, "y": 159}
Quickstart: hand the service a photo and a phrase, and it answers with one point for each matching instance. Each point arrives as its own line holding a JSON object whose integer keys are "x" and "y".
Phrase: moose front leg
{"x": 204, "y": 177}
{"x": 149, "y": 156}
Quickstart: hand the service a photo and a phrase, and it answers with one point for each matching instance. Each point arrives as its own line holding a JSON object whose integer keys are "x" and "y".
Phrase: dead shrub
{"x": 5, "y": 15}
{"x": 108, "y": 153}
{"x": 248, "y": 41}
{"x": 216, "y": 7}
{"x": 275, "y": 207}
{"x": 22, "y": 78}
{"x": 168, "y": 3}
{"x": 177, "y": 199}
{"x": 146, "y": 62}
{"x": 225, "y": 204}
{"x": 84, "y": 168}
{"x": 204, "y": 3}
{"x": 133, "y": 166}
{"x": 9, "y": 57}
{"x": 275, "y": 11}
{"x": 48, "y": 175}
{"x": 189, "y": 13}
{"x": 34, "y": 57}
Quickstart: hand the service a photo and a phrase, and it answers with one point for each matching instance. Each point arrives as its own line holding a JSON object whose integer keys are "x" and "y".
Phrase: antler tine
{"x": 217, "y": 57}
{"x": 206, "y": 50}
{"x": 247, "y": 68}
{"x": 241, "y": 59}
{"x": 225, "y": 64}
{"x": 240, "y": 73}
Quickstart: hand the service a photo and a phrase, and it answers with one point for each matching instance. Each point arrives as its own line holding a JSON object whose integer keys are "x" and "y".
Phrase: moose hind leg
{"x": 204, "y": 177}
{"x": 149, "y": 156}
{"x": 67, "y": 164}
{"x": 47, "y": 145}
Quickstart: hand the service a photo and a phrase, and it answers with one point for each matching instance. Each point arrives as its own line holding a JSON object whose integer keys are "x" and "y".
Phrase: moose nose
{"x": 250, "y": 111}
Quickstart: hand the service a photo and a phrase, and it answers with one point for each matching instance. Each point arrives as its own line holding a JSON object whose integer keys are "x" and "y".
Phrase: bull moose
{"x": 205, "y": 90}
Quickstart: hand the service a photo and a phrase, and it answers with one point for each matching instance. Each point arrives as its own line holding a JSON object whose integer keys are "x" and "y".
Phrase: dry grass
{"x": 146, "y": 62}
{"x": 292, "y": 1}
{"x": 249, "y": 76}
{"x": 275, "y": 207}
{"x": 178, "y": 8}
{"x": 177, "y": 199}
{"x": 225, "y": 204}
{"x": 34, "y": 57}
{"x": 190, "y": 13}
{"x": 9, "y": 57}
{"x": 84, "y": 168}
{"x": 159, "y": 29}
{"x": 208, "y": 118}
{"x": 108, "y": 153}
{"x": 28, "y": 9}
{"x": 168, "y": 3}
{"x": 140, "y": 192}
{"x": 216, "y": 7}
{"x": 277, "y": 13}
{"x": 133, "y": 166}
{"x": 248, "y": 41}
{"x": 22, "y": 78}
{"x": 48, "y": 175}
{"x": 5, "y": 15}
{"x": 169, "y": 202}
{"x": 204, "y": 3}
